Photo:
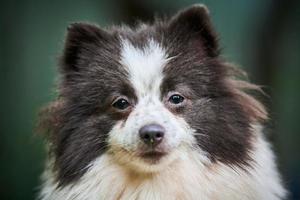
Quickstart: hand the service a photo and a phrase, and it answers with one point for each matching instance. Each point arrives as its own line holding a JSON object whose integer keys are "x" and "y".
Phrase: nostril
{"x": 152, "y": 134}
{"x": 146, "y": 137}
{"x": 158, "y": 135}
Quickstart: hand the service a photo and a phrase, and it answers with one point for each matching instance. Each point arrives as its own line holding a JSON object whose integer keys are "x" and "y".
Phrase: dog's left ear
{"x": 193, "y": 23}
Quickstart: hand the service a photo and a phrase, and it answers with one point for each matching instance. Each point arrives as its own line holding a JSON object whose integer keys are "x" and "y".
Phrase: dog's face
{"x": 146, "y": 96}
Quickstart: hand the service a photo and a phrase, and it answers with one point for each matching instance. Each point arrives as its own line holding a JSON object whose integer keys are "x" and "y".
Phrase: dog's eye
{"x": 176, "y": 99}
{"x": 121, "y": 104}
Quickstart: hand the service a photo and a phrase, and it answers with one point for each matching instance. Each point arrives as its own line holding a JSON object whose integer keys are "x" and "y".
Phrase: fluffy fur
{"x": 213, "y": 146}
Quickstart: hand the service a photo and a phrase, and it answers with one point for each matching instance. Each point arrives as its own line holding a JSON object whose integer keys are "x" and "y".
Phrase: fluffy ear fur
{"x": 82, "y": 39}
{"x": 194, "y": 22}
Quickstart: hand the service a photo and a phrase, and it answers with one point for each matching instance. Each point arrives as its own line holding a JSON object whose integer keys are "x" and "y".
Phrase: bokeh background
{"x": 262, "y": 36}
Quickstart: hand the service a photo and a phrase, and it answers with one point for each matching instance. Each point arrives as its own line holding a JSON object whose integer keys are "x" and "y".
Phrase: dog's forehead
{"x": 144, "y": 65}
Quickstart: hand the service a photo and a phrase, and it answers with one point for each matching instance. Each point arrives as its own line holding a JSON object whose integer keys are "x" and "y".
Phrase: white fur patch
{"x": 145, "y": 66}
{"x": 186, "y": 179}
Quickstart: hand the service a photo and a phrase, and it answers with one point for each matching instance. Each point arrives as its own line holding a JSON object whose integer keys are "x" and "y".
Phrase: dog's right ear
{"x": 82, "y": 39}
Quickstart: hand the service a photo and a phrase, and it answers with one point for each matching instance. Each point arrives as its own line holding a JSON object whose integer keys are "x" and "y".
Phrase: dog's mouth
{"x": 152, "y": 156}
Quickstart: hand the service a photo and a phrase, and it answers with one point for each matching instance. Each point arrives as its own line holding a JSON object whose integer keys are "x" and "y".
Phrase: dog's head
{"x": 147, "y": 95}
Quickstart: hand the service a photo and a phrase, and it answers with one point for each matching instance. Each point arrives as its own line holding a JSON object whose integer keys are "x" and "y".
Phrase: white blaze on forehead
{"x": 145, "y": 66}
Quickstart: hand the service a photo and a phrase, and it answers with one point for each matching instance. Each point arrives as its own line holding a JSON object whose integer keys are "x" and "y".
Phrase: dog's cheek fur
{"x": 222, "y": 127}
{"x": 79, "y": 145}
{"x": 82, "y": 132}
{"x": 222, "y": 130}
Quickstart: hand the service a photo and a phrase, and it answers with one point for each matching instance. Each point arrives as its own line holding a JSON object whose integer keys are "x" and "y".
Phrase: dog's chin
{"x": 153, "y": 157}
{"x": 145, "y": 161}
{"x": 153, "y": 162}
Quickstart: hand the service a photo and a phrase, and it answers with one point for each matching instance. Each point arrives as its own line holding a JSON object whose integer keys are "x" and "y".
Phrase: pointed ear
{"x": 194, "y": 23}
{"x": 82, "y": 39}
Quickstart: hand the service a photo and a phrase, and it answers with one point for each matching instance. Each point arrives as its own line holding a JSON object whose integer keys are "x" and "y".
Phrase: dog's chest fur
{"x": 186, "y": 179}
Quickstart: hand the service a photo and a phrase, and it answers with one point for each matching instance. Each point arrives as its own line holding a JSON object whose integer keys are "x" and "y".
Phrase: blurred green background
{"x": 262, "y": 36}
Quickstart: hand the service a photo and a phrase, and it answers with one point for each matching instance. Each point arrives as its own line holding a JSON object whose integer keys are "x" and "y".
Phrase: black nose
{"x": 152, "y": 134}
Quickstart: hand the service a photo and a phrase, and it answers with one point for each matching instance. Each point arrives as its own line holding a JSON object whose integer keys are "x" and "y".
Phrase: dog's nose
{"x": 152, "y": 134}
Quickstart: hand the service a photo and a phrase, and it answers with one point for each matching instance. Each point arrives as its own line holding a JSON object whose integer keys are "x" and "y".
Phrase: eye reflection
{"x": 176, "y": 99}
{"x": 121, "y": 104}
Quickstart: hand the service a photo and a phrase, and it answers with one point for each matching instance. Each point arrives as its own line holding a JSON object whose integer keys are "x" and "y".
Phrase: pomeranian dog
{"x": 153, "y": 112}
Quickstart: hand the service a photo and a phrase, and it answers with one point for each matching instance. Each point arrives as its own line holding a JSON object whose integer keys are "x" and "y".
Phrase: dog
{"x": 154, "y": 112}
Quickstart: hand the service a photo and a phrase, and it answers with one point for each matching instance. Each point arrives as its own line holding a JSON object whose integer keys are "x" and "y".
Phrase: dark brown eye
{"x": 176, "y": 99}
{"x": 121, "y": 104}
